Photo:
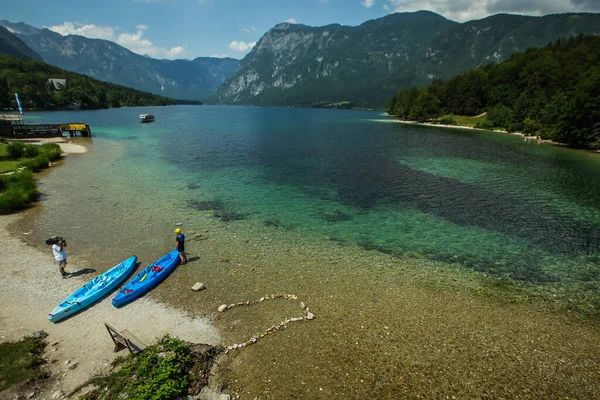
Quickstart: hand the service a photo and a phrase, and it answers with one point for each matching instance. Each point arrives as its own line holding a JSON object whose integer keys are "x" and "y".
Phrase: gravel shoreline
{"x": 79, "y": 347}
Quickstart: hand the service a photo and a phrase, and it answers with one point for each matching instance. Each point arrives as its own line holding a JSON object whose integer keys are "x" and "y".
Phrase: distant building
{"x": 57, "y": 83}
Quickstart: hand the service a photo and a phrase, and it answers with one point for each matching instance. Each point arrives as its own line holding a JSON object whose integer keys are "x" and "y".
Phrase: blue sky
{"x": 229, "y": 28}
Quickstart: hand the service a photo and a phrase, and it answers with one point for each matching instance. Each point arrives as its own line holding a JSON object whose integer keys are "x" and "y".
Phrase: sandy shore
{"x": 525, "y": 137}
{"x": 79, "y": 347}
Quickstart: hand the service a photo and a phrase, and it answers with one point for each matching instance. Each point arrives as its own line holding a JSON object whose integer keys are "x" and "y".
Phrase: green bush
{"x": 51, "y": 150}
{"x": 448, "y": 120}
{"x": 18, "y": 190}
{"x": 36, "y": 164}
{"x": 489, "y": 125}
{"x": 160, "y": 372}
{"x": 15, "y": 150}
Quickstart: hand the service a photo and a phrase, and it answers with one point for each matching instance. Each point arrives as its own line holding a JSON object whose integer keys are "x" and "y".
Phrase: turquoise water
{"x": 482, "y": 201}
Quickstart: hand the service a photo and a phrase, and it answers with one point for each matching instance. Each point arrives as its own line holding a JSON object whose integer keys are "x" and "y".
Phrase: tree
{"x": 426, "y": 107}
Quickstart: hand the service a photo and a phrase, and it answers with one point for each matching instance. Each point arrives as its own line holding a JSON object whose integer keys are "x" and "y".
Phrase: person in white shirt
{"x": 58, "y": 249}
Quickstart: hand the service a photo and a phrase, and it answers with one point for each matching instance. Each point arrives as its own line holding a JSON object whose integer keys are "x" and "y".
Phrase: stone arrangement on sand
{"x": 269, "y": 331}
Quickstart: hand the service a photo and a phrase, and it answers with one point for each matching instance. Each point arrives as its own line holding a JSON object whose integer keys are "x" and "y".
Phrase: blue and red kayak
{"x": 147, "y": 278}
{"x": 94, "y": 290}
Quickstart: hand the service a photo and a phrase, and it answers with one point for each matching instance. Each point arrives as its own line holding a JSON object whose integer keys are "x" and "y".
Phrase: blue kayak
{"x": 146, "y": 279}
{"x": 94, "y": 290}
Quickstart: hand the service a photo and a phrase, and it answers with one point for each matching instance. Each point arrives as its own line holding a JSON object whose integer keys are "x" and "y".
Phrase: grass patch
{"x": 3, "y": 152}
{"x": 167, "y": 370}
{"x": 463, "y": 120}
{"x": 8, "y": 166}
{"x": 19, "y": 189}
{"x": 21, "y": 361}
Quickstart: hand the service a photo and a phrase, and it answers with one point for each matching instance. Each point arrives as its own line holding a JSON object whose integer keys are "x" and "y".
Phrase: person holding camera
{"x": 58, "y": 249}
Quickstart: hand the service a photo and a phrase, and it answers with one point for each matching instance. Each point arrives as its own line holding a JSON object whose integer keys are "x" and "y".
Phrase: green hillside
{"x": 552, "y": 91}
{"x": 30, "y": 79}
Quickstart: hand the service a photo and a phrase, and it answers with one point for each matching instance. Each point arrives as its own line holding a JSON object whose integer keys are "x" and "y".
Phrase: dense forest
{"x": 30, "y": 79}
{"x": 553, "y": 92}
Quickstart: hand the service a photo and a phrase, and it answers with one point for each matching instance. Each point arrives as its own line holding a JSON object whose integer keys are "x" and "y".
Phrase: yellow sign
{"x": 73, "y": 127}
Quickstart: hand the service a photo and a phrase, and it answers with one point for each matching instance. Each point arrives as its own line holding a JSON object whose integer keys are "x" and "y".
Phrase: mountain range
{"x": 13, "y": 46}
{"x": 298, "y": 65}
{"x": 107, "y": 61}
{"x": 365, "y": 65}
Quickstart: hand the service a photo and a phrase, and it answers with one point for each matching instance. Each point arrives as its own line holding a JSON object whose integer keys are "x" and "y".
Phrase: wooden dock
{"x": 12, "y": 127}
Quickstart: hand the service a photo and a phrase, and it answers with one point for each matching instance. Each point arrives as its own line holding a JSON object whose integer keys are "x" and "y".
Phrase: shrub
{"x": 36, "y": 164}
{"x": 489, "y": 125}
{"x": 448, "y": 120}
{"x": 18, "y": 150}
{"x": 160, "y": 372}
{"x": 15, "y": 150}
{"x": 51, "y": 150}
{"x": 19, "y": 190}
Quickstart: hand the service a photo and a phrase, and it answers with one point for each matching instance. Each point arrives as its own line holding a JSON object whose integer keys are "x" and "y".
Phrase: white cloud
{"x": 367, "y": 3}
{"x": 132, "y": 41}
{"x": 87, "y": 30}
{"x": 291, "y": 21}
{"x": 466, "y": 10}
{"x": 220, "y": 55}
{"x": 241, "y": 46}
{"x": 249, "y": 30}
{"x": 176, "y": 52}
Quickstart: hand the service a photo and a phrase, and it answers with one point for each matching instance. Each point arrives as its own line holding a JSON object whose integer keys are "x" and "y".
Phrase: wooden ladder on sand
{"x": 125, "y": 340}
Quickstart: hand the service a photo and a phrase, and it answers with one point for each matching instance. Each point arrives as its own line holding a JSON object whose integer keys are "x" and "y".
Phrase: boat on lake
{"x": 146, "y": 117}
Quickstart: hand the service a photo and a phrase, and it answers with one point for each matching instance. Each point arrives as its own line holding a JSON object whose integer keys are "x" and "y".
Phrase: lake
{"x": 339, "y": 207}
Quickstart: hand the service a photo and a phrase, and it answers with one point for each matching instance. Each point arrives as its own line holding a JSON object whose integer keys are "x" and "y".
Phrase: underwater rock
{"x": 336, "y": 216}
{"x": 228, "y": 216}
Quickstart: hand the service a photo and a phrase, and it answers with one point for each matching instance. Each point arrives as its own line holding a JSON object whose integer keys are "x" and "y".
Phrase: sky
{"x": 187, "y": 29}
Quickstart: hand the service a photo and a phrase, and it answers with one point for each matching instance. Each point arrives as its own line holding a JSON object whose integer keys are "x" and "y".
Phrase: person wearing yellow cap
{"x": 180, "y": 245}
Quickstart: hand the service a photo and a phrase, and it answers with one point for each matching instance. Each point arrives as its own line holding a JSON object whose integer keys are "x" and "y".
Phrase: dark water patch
{"x": 193, "y": 186}
{"x": 276, "y": 223}
{"x": 272, "y": 222}
{"x": 207, "y": 205}
{"x": 336, "y": 239}
{"x": 588, "y": 271}
{"x": 335, "y": 216}
{"x": 228, "y": 216}
{"x": 387, "y": 182}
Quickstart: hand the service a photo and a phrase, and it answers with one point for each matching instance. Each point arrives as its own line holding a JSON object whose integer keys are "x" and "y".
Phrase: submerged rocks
{"x": 336, "y": 216}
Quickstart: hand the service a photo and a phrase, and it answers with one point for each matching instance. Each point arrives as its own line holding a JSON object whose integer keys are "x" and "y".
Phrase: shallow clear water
{"x": 479, "y": 200}
{"x": 313, "y": 203}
